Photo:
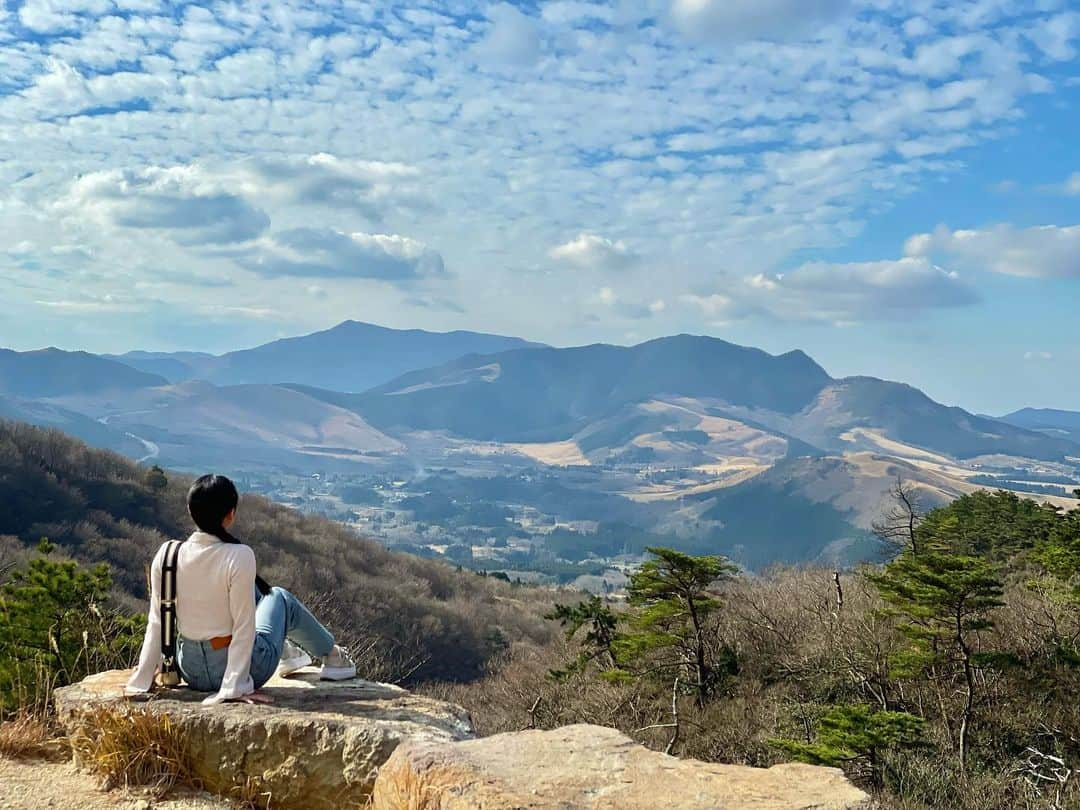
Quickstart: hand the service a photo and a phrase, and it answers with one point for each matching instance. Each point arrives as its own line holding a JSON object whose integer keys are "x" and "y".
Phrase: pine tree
{"x": 157, "y": 480}
{"x": 598, "y": 640}
{"x": 667, "y": 634}
{"x": 54, "y": 624}
{"x": 856, "y": 735}
{"x": 945, "y": 598}
{"x": 1059, "y": 553}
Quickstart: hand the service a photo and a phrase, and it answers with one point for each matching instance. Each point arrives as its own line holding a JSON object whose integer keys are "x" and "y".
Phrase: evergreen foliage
{"x": 57, "y": 625}
{"x": 858, "y": 735}
{"x": 994, "y": 525}
{"x": 156, "y": 479}
{"x": 944, "y": 598}
{"x": 944, "y": 678}
{"x": 674, "y": 596}
{"x": 598, "y": 640}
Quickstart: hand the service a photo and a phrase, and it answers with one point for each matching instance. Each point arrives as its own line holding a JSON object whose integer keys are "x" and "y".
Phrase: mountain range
{"x": 351, "y": 356}
{"x": 764, "y": 456}
{"x": 553, "y": 394}
{"x": 1054, "y": 423}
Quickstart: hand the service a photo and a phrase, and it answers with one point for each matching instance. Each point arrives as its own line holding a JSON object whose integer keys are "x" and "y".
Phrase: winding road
{"x": 152, "y": 449}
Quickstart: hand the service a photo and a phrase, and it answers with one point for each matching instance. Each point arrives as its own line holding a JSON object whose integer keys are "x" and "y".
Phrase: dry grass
{"x": 30, "y": 735}
{"x": 251, "y": 795}
{"x": 129, "y": 747}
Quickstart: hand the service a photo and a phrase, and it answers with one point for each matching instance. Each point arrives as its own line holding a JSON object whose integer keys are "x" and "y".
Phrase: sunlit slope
{"x": 197, "y": 422}
{"x": 597, "y": 396}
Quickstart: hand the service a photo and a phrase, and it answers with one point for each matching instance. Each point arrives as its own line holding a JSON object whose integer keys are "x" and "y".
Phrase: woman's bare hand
{"x": 255, "y": 698}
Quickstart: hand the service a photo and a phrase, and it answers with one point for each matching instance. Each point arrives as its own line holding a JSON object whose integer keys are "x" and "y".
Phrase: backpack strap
{"x": 168, "y": 607}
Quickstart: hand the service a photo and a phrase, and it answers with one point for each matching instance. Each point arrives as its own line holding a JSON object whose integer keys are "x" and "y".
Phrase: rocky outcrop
{"x": 593, "y": 768}
{"x": 319, "y": 744}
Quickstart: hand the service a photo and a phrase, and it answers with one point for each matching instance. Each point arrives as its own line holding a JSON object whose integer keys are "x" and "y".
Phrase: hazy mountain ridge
{"x": 1049, "y": 421}
{"x": 351, "y": 356}
{"x": 53, "y": 372}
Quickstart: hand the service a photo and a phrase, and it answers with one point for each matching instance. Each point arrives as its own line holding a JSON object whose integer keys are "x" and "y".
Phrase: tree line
{"x": 945, "y": 677}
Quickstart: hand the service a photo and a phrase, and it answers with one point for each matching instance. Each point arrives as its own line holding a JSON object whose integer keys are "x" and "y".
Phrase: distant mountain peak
{"x": 349, "y": 356}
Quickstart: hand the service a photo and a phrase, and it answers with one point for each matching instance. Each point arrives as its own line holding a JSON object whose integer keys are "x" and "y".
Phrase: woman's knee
{"x": 277, "y": 590}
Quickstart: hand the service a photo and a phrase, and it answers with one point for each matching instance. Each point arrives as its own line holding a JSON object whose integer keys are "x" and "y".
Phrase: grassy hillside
{"x": 906, "y": 414}
{"x": 411, "y": 618}
{"x": 49, "y": 414}
{"x": 196, "y": 424}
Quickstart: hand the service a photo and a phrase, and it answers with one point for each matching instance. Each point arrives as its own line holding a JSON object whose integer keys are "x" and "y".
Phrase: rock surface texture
{"x": 591, "y": 768}
{"x": 322, "y": 745}
{"x": 318, "y": 744}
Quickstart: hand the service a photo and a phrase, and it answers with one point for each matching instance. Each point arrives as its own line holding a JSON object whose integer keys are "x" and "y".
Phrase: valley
{"x": 555, "y": 465}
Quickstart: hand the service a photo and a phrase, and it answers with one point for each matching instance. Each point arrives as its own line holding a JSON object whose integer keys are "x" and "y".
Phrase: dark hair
{"x": 210, "y": 500}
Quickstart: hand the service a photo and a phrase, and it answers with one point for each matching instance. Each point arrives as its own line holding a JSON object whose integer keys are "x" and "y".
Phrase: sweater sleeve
{"x": 237, "y": 680}
{"x": 150, "y": 656}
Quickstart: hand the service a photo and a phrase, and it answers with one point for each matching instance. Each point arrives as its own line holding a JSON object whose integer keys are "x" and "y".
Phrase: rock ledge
{"x": 318, "y": 744}
{"x": 323, "y": 745}
{"x": 593, "y": 768}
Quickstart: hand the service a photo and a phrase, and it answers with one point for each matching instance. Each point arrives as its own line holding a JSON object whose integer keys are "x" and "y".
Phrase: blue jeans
{"x": 278, "y": 616}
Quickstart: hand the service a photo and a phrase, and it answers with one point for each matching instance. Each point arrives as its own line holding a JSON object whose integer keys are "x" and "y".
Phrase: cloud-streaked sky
{"x": 893, "y": 187}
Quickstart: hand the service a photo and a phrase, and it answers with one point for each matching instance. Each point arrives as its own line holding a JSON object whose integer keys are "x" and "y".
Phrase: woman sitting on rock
{"x": 232, "y": 626}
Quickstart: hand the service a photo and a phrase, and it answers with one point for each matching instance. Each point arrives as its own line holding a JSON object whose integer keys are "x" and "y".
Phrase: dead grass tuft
{"x": 129, "y": 748}
{"x": 251, "y": 795}
{"x": 30, "y": 735}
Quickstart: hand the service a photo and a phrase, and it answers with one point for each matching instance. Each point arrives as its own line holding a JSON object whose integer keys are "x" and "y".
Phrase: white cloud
{"x": 737, "y": 20}
{"x": 511, "y": 39}
{"x": 1046, "y": 251}
{"x": 326, "y": 253}
{"x": 715, "y": 306}
{"x": 494, "y": 133}
{"x": 91, "y": 305}
{"x": 591, "y": 252}
{"x": 62, "y": 90}
{"x": 48, "y": 16}
{"x": 214, "y": 203}
{"x": 610, "y": 301}
{"x": 180, "y": 202}
{"x": 1043, "y": 356}
{"x": 840, "y": 294}
{"x": 1072, "y": 185}
{"x": 369, "y": 187}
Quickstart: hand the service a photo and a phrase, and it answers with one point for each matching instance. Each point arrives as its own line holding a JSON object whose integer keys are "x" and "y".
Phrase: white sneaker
{"x": 338, "y": 665}
{"x": 293, "y": 658}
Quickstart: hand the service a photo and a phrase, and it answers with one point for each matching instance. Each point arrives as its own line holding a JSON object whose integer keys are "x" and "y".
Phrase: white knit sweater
{"x": 215, "y": 596}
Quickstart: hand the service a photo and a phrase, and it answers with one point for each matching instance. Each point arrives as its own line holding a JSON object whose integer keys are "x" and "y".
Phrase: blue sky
{"x": 893, "y": 187}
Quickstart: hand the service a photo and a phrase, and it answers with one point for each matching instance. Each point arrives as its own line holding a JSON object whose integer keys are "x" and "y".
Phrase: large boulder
{"x": 593, "y": 768}
{"x": 319, "y": 744}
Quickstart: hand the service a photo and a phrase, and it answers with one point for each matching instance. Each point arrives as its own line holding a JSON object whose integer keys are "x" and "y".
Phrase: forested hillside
{"x": 945, "y": 678}
{"x": 410, "y": 618}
